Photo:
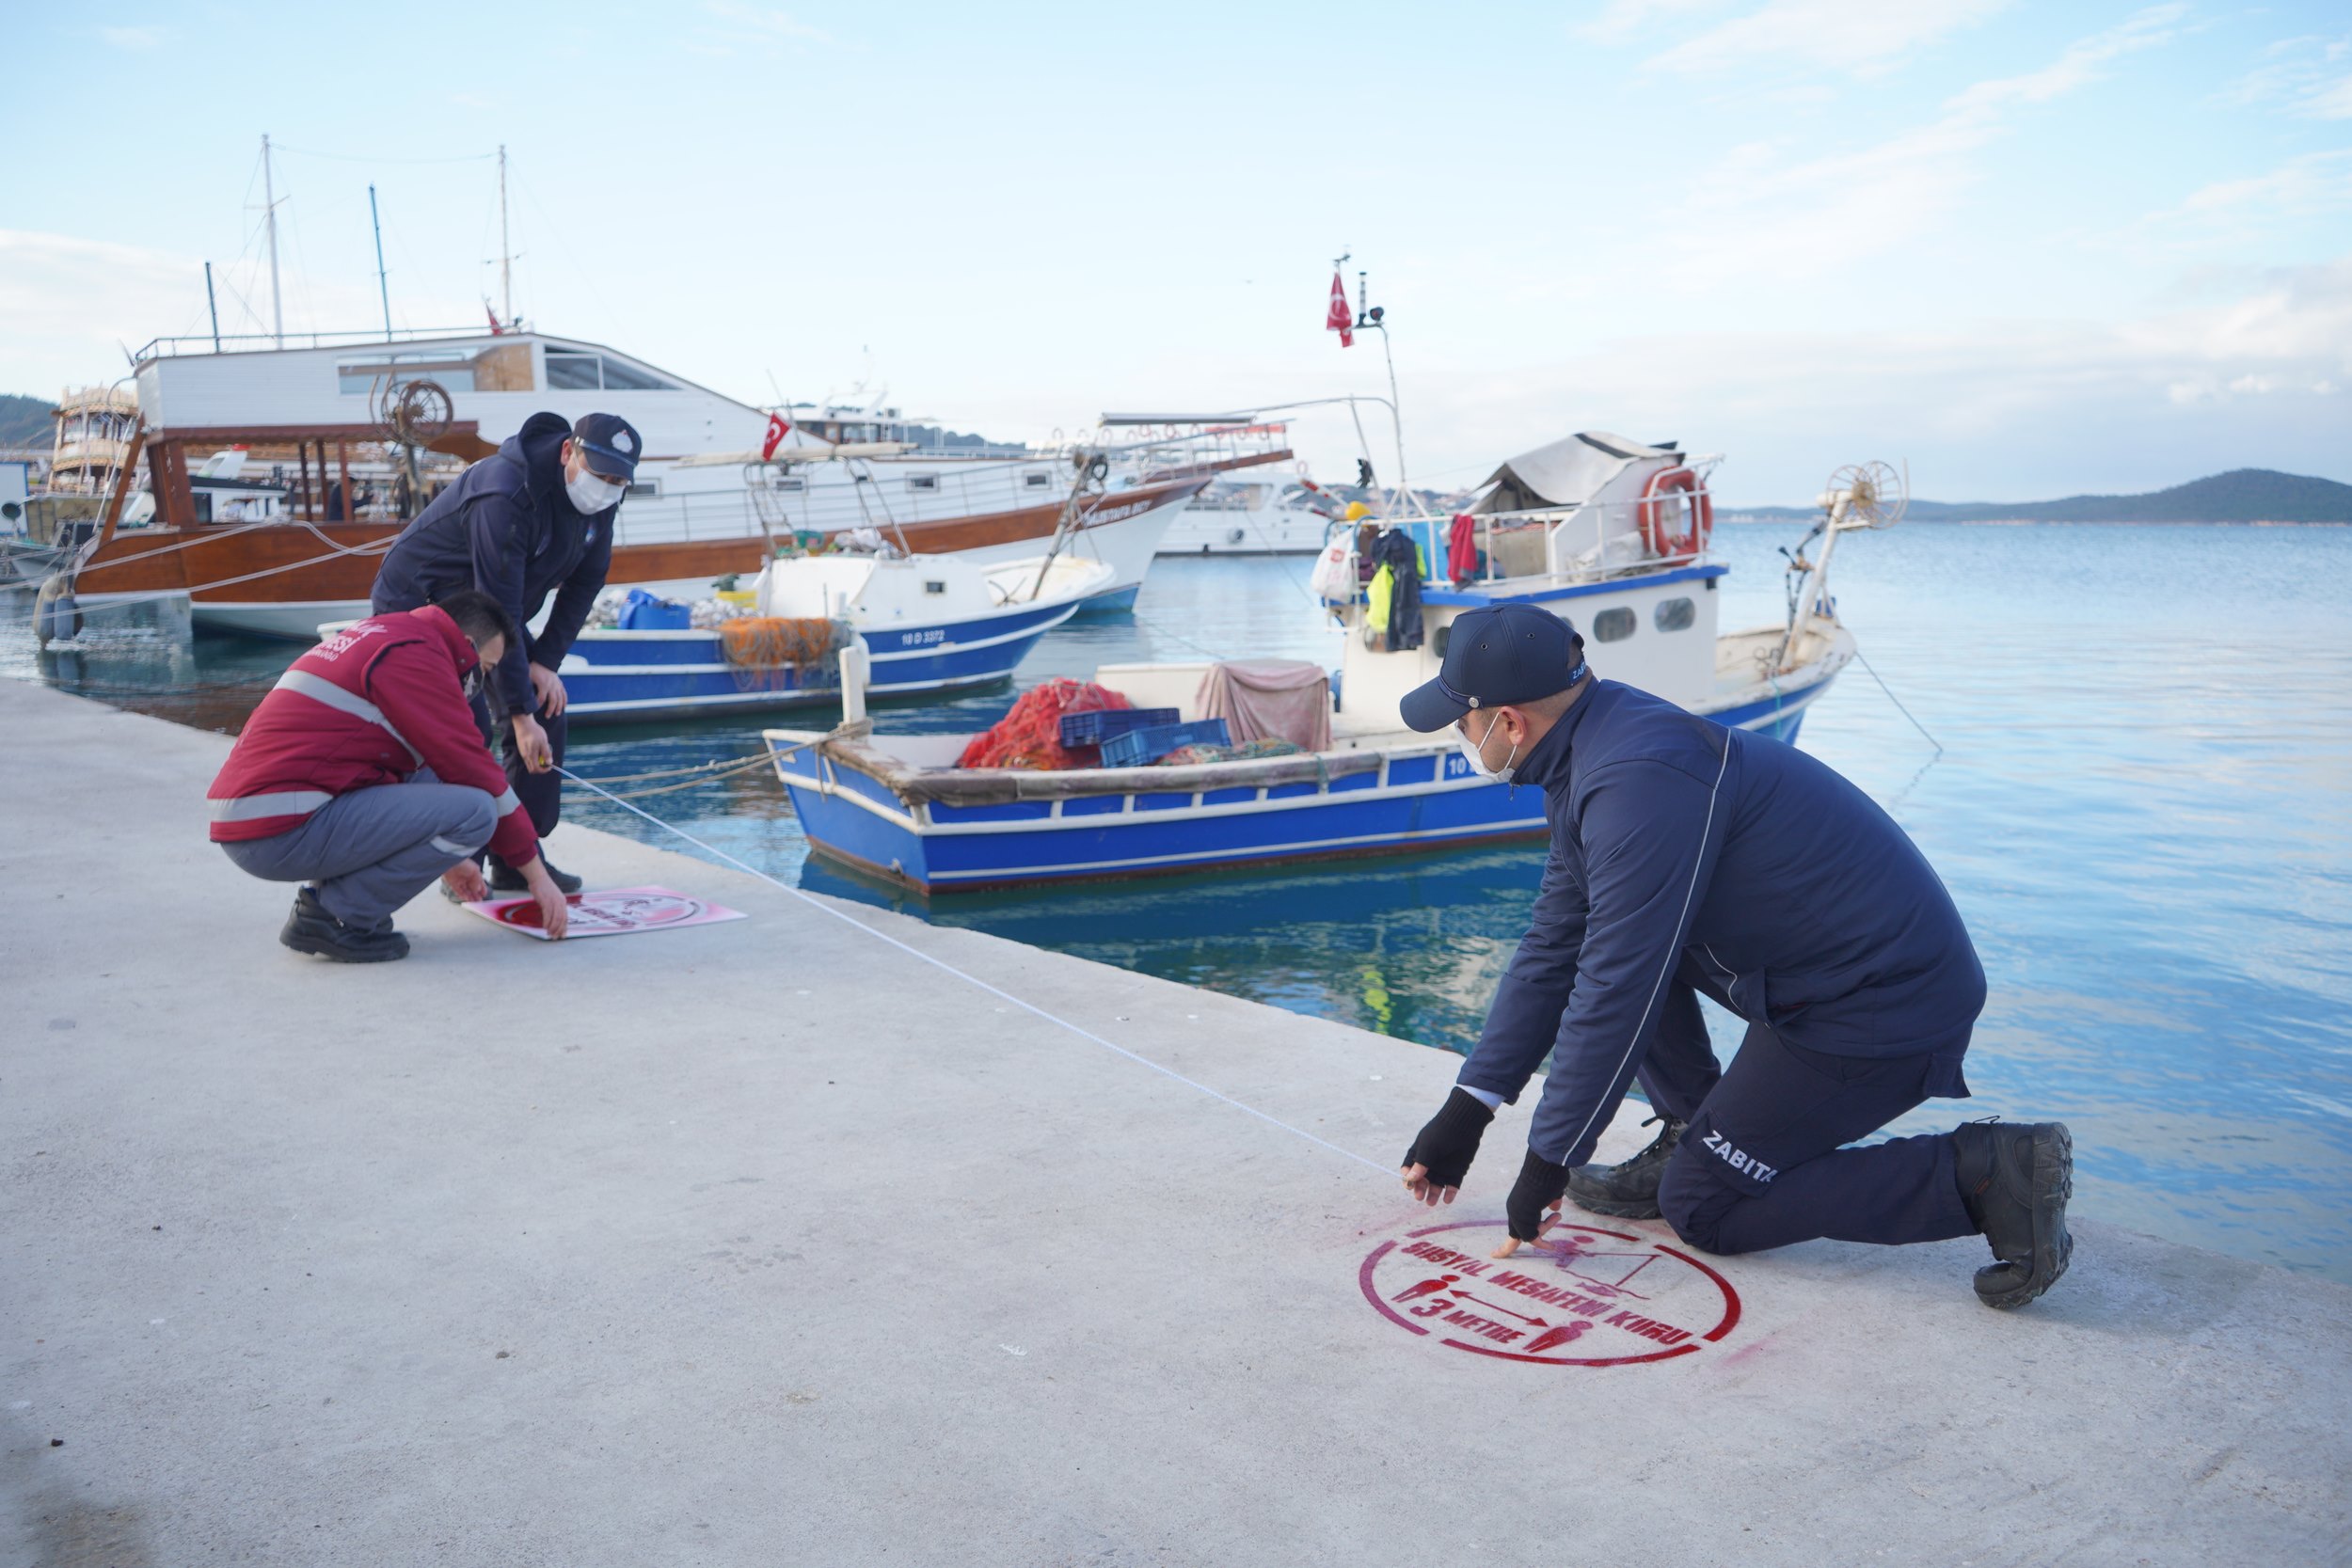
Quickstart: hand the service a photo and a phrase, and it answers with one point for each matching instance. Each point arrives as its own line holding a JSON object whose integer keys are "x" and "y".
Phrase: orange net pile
{"x": 774, "y": 641}
{"x": 1030, "y": 734}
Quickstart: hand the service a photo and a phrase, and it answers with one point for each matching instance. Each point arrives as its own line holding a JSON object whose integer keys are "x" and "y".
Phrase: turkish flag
{"x": 778, "y": 428}
{"x": 1338, "y": 318}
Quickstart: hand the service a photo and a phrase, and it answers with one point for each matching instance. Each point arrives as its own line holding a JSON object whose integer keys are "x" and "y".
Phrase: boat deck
{"x": 769, "y": 1242}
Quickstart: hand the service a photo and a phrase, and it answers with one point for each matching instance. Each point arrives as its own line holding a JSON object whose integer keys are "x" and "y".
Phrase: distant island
{"x": 2240, "y": 496}
{"x": 25, "y": 423}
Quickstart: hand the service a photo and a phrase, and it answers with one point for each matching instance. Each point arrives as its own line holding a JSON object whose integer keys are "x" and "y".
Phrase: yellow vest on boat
{"x": 1377, "y": 602}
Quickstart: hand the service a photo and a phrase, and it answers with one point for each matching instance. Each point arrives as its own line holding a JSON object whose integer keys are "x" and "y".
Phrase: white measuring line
{"x": 974, "y": 979}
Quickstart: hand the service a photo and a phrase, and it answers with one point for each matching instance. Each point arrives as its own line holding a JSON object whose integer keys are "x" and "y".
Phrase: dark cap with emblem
{"x": 1509, "y": 653}
{"x": 611, "y": 443}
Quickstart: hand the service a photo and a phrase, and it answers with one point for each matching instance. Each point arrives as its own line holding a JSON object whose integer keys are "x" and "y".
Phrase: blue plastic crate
{"x": 644, "y": 612}
{"x": 1139, "y": 748}
{"x": 1092, "y": 729}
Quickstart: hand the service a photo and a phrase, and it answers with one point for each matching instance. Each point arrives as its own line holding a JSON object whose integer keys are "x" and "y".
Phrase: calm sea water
{"x": 2140, "y": 807}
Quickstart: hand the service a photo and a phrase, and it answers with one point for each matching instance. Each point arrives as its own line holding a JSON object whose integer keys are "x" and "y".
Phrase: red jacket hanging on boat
{"x": 368, "y": 706}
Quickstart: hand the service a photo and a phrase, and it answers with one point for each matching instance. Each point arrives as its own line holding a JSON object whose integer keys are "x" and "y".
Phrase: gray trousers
{"x": 372, "y": 850}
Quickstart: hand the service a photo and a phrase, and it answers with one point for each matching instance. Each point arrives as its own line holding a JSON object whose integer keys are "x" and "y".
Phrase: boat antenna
{"x": 212, "y": 305}
{"x": 269, "y": 207}
{"x": 506, "y": 251}
{"x": 1370, "y": 317}
{"x": 383, "y": 289}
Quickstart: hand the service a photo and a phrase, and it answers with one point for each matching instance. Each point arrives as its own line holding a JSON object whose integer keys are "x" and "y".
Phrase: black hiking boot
{"x": 1630, "y": 1191}
{"x": 310, "y": 929}
{"x": 505, "y": 879}
{"x": 2015, "y": 1179}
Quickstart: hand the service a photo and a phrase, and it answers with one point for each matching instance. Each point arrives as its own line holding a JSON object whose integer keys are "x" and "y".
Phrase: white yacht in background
{"x": 355, "y": 432}
{"x": 1263, "y": 511}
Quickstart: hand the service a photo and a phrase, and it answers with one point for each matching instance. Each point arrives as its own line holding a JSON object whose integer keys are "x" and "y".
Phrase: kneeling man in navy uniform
{"x": 1687, "y": 860}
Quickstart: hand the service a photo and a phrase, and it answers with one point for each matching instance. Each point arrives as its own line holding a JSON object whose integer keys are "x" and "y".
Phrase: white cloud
{"x": 1866, "y": 38}
{"x": 1986, "y": 410}
{"x": 2311, "y": 186}
{"x": 132, "y": 37}
{"x": 735, "y": 22}
{"x": 1818, "y": 215}
{"x": 70, "y": 308}
{"x": 2310, "y": 76}
{"x": 2079, "y": 65}
{"x": 1621, "y": 20}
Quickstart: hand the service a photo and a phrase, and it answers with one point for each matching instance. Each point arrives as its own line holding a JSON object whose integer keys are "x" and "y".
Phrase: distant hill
{"x": 2240, "y": 496}
{"x": 25, "y": 422}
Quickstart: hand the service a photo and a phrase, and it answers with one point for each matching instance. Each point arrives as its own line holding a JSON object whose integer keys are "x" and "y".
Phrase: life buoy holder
{"x": 1660, "y": 507}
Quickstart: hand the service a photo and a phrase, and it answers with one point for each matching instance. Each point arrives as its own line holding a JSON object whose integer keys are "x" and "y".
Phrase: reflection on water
{"x": 2140, "y": 809}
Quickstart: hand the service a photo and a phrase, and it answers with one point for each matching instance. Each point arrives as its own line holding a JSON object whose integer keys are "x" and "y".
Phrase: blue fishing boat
{"x": 1609, "y": 533}
{"x": 922, "y": 623}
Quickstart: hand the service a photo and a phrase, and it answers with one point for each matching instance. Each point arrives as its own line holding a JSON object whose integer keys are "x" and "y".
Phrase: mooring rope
{"x": 1001, "y": 994}
{"x": 1898, "y": 704}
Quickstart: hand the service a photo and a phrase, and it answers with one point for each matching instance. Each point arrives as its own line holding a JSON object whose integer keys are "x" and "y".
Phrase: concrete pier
{"x": 765, "y": 1243}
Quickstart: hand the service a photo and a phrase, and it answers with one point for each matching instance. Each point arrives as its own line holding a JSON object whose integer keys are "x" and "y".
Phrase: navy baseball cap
{"x": 1510, "y": 653}
{"x": 611, "y": 443}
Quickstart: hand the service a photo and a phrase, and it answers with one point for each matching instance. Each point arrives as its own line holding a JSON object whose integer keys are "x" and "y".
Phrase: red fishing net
{"x": 1030, "y": 734}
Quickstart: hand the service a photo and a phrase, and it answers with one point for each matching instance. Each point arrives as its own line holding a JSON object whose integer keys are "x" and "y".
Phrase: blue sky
{"x": 2032, "y": 249}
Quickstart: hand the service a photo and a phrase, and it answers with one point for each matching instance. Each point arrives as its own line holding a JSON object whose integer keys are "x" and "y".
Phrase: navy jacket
{"x": 1675, "y": 841}
{"x": 507, "y": 528}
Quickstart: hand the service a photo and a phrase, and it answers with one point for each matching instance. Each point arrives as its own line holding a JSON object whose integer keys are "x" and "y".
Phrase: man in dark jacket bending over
{"x": 1688, "y": 858}
{"x": 534, "y": 519}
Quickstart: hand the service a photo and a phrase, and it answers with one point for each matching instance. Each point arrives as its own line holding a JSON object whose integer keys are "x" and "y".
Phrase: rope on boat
{"x": 1898, "y": 704}
{"x": 721, "y": 765}
{"x": 334, "y": 552}
{"x": 879, "y": 935}
{"x": 708, "y": 773}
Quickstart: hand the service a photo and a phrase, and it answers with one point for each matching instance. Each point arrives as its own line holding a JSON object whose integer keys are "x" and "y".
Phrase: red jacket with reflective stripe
{"x": 368, "y": 706}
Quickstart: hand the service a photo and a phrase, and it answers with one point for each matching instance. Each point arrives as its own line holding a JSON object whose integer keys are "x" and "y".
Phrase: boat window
{"x": 643, "y": 487}
{"x": 922, "y": 482}
{"x": 786, "y": 485}
{"x": 621, "y": 378}
{"x": 1675, "y": 614}
{"x": 1613, "y": 625}
{"x": 1036, "y": 482}
{"x": 1444, "y": 636}
{"x": 366, "y": 375}
{"x": 572, "y": 371}
{"x": 931, "y": 587}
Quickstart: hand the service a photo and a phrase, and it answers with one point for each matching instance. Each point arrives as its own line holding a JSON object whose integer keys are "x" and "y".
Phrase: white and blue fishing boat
{"x": 1609, "y": 533}
{"x": 924, "y": 623}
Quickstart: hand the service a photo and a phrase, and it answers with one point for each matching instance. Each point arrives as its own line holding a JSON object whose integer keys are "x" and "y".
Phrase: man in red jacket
{"x": 362, "y": 776}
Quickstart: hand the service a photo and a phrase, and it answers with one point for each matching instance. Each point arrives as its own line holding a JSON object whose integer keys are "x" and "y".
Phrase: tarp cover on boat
{"x": 1270, "y": 699}
{"x": 1565, "y": 473}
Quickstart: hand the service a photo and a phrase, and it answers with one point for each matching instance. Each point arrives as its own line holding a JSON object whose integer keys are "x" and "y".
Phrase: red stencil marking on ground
{"x": 1581, "y": 1297}
{"x": 613, "y": 914}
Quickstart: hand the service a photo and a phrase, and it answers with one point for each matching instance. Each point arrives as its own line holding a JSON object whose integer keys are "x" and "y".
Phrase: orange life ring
{"x": 1655, "y": 505}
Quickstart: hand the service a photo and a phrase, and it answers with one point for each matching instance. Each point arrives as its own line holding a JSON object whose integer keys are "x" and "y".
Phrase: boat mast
{"x": 269, "y": 207}
{"x": 506, "y": 257}
{"x": 1367, "y": 316}
{"x": 383, "y": 289}
{"x": 211, "y": 305}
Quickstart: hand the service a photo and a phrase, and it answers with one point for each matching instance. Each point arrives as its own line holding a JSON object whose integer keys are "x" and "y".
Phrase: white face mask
{"x": 590, "y": 495}
{"x": 1475, "y": 753}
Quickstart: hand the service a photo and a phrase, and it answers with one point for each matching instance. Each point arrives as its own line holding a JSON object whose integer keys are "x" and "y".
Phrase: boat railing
{"x": 880, "y": 496}
{"x": 248, "y": 342}
{"x": 1592, "y": 542}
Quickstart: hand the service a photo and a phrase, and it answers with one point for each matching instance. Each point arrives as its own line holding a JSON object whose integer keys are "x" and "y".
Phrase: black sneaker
{"x": 505, "y": 879}
{"x": 2015, "y": 1179}
{"x": 1630, "y": 1191}
{"x": 310, "y": 929}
